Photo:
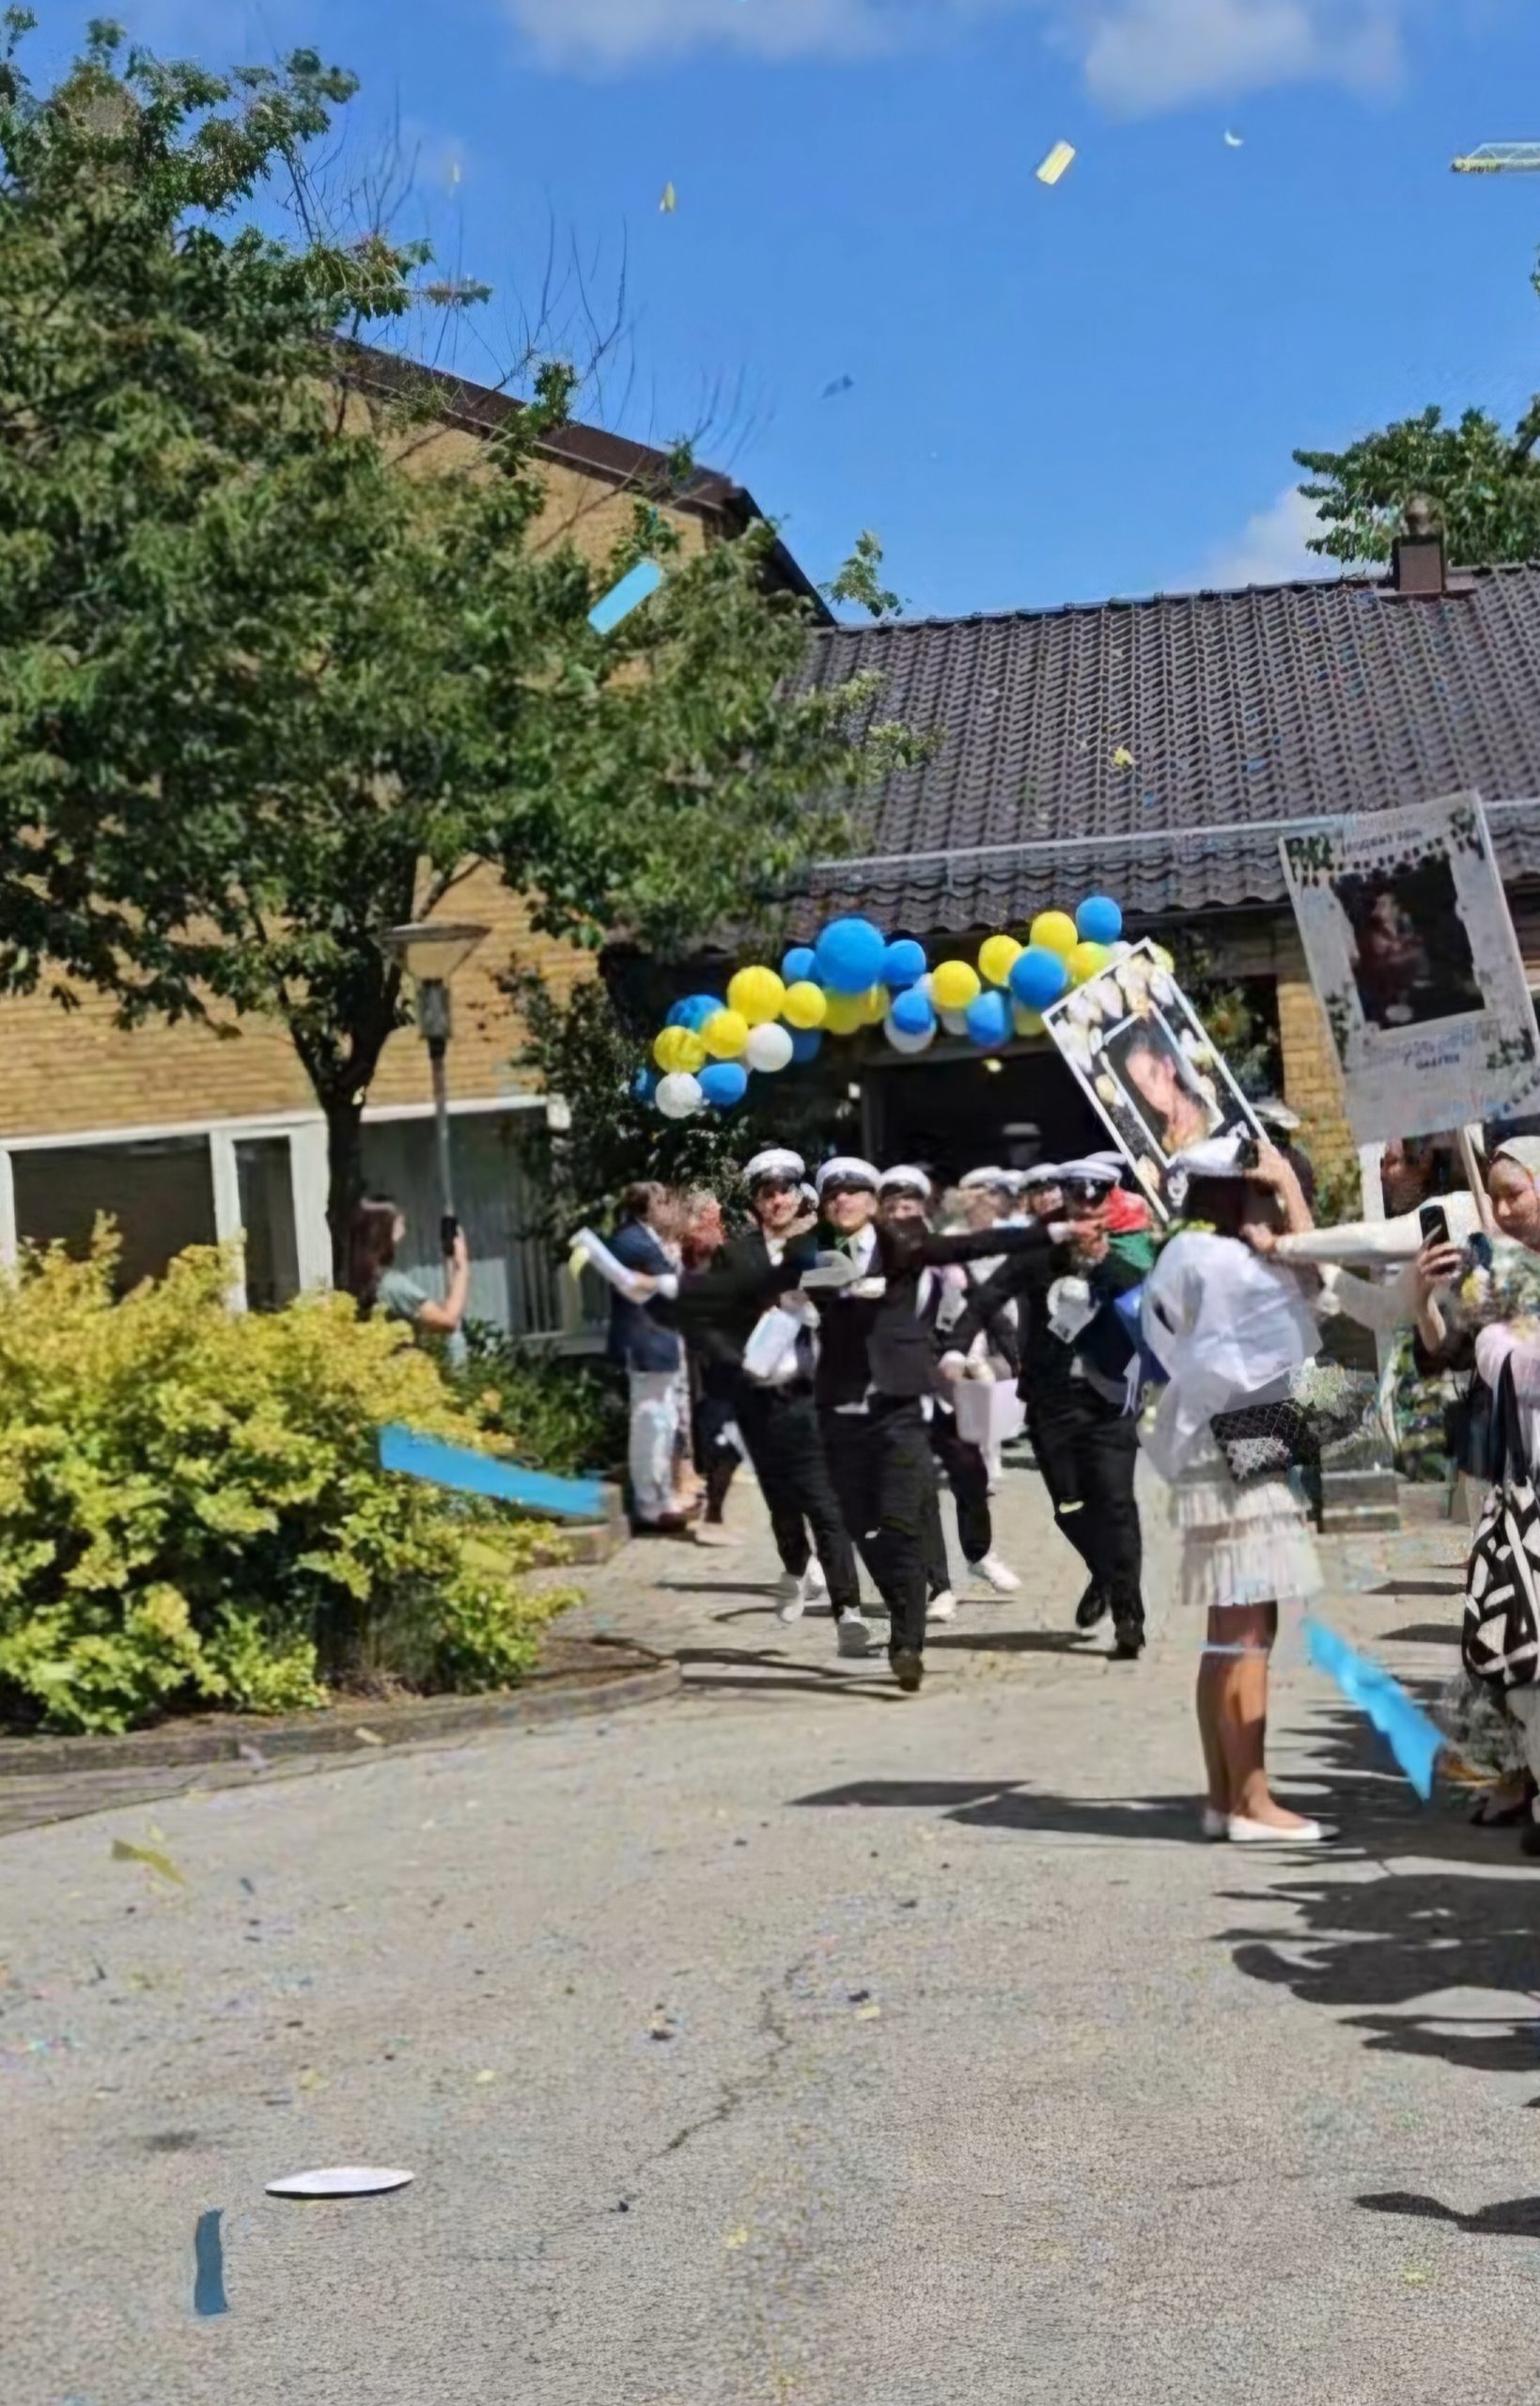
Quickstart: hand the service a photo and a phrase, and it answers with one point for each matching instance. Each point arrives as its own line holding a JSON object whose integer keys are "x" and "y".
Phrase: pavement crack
{"x": 771, "y": 2023}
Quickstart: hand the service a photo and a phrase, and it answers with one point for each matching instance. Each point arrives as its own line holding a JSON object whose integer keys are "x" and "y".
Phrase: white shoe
{"x": 790, "y": 1597}
{"x": 815, "y": 1584}
{"x": 1241, "y": 1832}
{"x": 1215, "y": 1823}
{"x": 996, "y": 1574}
{"x": 943, "y": 1607}
{"x": 852, "y": 1635}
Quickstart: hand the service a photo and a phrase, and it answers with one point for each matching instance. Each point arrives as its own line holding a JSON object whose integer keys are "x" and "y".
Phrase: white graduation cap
{"x": 994, "y": 1178}
{"x": 1040, "y": 1174}
{"x": 847, "y": 1169}
{"x": 905, "y": 1179}
{"x": 776, "y": 1161}
{"x": 1093, "y": 1171}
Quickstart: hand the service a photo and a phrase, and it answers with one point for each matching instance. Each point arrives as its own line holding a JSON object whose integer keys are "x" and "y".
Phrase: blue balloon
{"x": 796, "y": 963}
{"x": 645, "y": 1083}
{"x": 1038, "y": 978}
{"x": 848, "y": 957}
{"x": 913, "y": 1012}
{"x": 1098, "y": 920}
{"x": 904, "y": 963}
{"x": 677, "y": 1014}
{"x": 989, "y": 1021}
{"x": 723, "y": 1083}
{"x": 696, "y": 1009}
{"x": 806, "y": 1043}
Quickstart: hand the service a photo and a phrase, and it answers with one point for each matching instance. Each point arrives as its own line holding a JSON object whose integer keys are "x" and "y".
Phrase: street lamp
{"x": 430, "y": 951}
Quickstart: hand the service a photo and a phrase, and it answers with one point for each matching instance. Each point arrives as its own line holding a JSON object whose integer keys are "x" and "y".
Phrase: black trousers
{"x": 780, "y": 1427}
{"x": 1086, "y": 1449}
{"x": 967, "y": 1474}
{"x": 883, "y": 1473}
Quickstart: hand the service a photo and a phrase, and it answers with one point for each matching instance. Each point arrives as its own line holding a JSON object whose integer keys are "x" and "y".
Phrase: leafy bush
{"x": 193, "y": 1514}
{"x": 556, "y": 1414}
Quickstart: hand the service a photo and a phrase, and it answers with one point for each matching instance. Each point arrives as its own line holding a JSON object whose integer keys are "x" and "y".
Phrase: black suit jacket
{"x": 884, "y": 1343}
{"x": 716, "y": 1309}
{"x": 1046, "y": 1361}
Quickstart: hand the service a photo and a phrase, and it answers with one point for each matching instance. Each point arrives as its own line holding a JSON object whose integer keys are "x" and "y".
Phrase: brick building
{"x": 1154, "y": 750}
{"x": 186, "y": 1137}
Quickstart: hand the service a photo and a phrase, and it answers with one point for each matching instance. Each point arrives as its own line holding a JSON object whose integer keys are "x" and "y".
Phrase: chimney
{"x": 1418, "y": 571}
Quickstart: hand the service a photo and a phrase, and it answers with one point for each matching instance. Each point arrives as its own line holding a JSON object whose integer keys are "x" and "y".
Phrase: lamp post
{"x": 430, "y": 951}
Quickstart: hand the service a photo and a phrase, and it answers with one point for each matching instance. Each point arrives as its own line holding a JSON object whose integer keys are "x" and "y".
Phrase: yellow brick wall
{"x": 1312, "y": 1085}
{"x": 64, "y": 1071}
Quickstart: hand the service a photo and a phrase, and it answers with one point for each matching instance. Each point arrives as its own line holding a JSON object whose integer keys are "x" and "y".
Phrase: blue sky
{"x": 1057, "y": 394}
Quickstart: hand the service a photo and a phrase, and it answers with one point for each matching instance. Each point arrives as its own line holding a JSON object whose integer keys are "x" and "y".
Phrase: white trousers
{"x": 654, "y": 1437}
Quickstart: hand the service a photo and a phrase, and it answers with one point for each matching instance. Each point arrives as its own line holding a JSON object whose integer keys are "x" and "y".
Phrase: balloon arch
{"x": 853, "y": 977}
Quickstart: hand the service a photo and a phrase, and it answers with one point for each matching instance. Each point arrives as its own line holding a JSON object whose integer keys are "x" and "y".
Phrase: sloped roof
{"x": 1241, "y": 712}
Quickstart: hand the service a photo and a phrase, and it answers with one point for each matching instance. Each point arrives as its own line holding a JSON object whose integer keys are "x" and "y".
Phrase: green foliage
{"x": 266, "y": 691}
{"x": 554, "y": 1413}
{"x": 1238, "y": 1014}
{"x": 1482, "y": 479}
{"x": 193, "y": 1514}
{"x": 859, "y": 580}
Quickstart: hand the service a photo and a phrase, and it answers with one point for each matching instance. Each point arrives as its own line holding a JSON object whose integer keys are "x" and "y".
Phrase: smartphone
{"x": 448, "y": 1231}
{"x": 1434, "y": 1222}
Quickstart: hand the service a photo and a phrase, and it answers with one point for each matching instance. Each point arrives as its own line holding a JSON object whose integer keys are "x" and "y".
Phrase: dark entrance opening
{"x": 953, "y": 1116}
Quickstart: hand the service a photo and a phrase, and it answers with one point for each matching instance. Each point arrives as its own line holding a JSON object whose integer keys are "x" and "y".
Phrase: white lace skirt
{"x": 1241, "y": 1545}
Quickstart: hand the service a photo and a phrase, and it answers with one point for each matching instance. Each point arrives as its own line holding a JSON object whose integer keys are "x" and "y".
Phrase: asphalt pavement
{"x": 791, "y": 2042}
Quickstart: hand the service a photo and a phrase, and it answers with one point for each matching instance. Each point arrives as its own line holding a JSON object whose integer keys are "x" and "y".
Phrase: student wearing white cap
{"x": 904, "y": 1198}
{"x": 1073, "y": 1381}
{"x": 988, "y": 1199}
{"x": 876, "y": 1365}
{"x": 774, "y": 1415}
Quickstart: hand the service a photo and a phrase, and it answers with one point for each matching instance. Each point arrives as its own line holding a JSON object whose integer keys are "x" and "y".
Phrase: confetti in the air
{"x": 621, "y": 600}
{"x": 1122, "y": 757}
{"x": 669, "y": 201}
{"x": 840, "y": 384}
{"x": 1234, "y": 141}
{"x": 1058, "y": 158}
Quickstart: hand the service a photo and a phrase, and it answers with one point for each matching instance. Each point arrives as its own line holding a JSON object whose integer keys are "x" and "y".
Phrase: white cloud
{"x": 1269, "y": 548}
{"x": 1136, "y": 55}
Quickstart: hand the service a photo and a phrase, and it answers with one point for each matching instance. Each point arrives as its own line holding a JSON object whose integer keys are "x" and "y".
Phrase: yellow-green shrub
{"x": 193, "y": 1513}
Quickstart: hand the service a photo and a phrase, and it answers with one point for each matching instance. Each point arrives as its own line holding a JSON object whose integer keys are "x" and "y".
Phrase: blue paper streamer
{"x": 473, "y": 1474}
{"x": 1413, "y": 1738}
{"x": 208, "y": 2253}
{"x": 636, "y": 586}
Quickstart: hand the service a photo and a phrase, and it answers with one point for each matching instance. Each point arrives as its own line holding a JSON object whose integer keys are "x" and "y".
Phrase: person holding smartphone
{"x": 379, "y": 1284}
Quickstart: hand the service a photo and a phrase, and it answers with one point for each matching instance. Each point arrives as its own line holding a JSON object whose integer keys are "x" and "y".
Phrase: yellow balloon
{"x": 996, "y": 956}
{"x": 1028, "y": 1023}
{"x": 953, "y": 984}
{"x": 806, "y": 1005}
{"x": 679, "y": 1048}
{"x": 1086, "y": 960}
{"x": 844, "y": 1014}
{"x": 756, "y": 995}
{"x": 1057, "y": 930}
{"x": 724, "y": 1035}
{"x": 874, "y": 1006}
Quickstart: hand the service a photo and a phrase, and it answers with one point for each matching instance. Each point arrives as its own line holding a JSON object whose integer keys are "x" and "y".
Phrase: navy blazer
{"x": 637, "y": 1341}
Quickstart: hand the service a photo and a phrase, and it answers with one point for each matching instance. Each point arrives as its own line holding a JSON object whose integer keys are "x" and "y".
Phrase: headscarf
{"x": 1524, "y": 1152}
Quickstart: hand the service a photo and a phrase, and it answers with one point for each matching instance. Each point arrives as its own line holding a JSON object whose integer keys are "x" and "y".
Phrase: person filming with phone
{"x": 377, "y": 1285}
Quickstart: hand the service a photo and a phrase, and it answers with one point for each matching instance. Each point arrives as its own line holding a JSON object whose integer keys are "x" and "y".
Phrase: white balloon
{"x": 906, "y": 1040}
{"x": 769, "y": 1047}
{"x": 678, "y": 1095}
{"x": 954, "y": 1023}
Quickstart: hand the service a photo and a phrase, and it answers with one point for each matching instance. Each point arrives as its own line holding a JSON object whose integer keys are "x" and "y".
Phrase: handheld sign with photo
{"x": 1148, "y": 1064}
{"x": 1412, "y": 953}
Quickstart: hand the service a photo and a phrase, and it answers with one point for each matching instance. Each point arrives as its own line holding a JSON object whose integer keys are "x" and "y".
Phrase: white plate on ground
{"x": 343, "y": 2180}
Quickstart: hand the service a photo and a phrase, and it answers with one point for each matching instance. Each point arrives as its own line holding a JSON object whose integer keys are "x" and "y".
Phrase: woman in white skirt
{"x": 1231, "y": 1329}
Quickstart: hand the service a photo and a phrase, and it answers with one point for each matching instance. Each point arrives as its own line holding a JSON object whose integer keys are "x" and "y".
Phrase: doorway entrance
{"x": 957, "y": 1113}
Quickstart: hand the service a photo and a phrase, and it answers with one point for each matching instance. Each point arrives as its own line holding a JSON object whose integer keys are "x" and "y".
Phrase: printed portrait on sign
{"x": 1412, "y": 953}
{"x": 1146, "y": 1062}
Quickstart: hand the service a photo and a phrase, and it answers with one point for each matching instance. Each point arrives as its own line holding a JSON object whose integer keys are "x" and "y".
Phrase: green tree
{"x": 1482, "y": 479}
{"x": 266, "y": 691}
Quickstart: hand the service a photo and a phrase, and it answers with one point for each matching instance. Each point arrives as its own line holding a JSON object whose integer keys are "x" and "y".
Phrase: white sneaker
{"x": 996, "y": 1574}
{"x": 790, "y": 1597}
{"x": 852, "y": 1635}
{"x": 943, "y": 1607}
{"x": 814, "y": 1585}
